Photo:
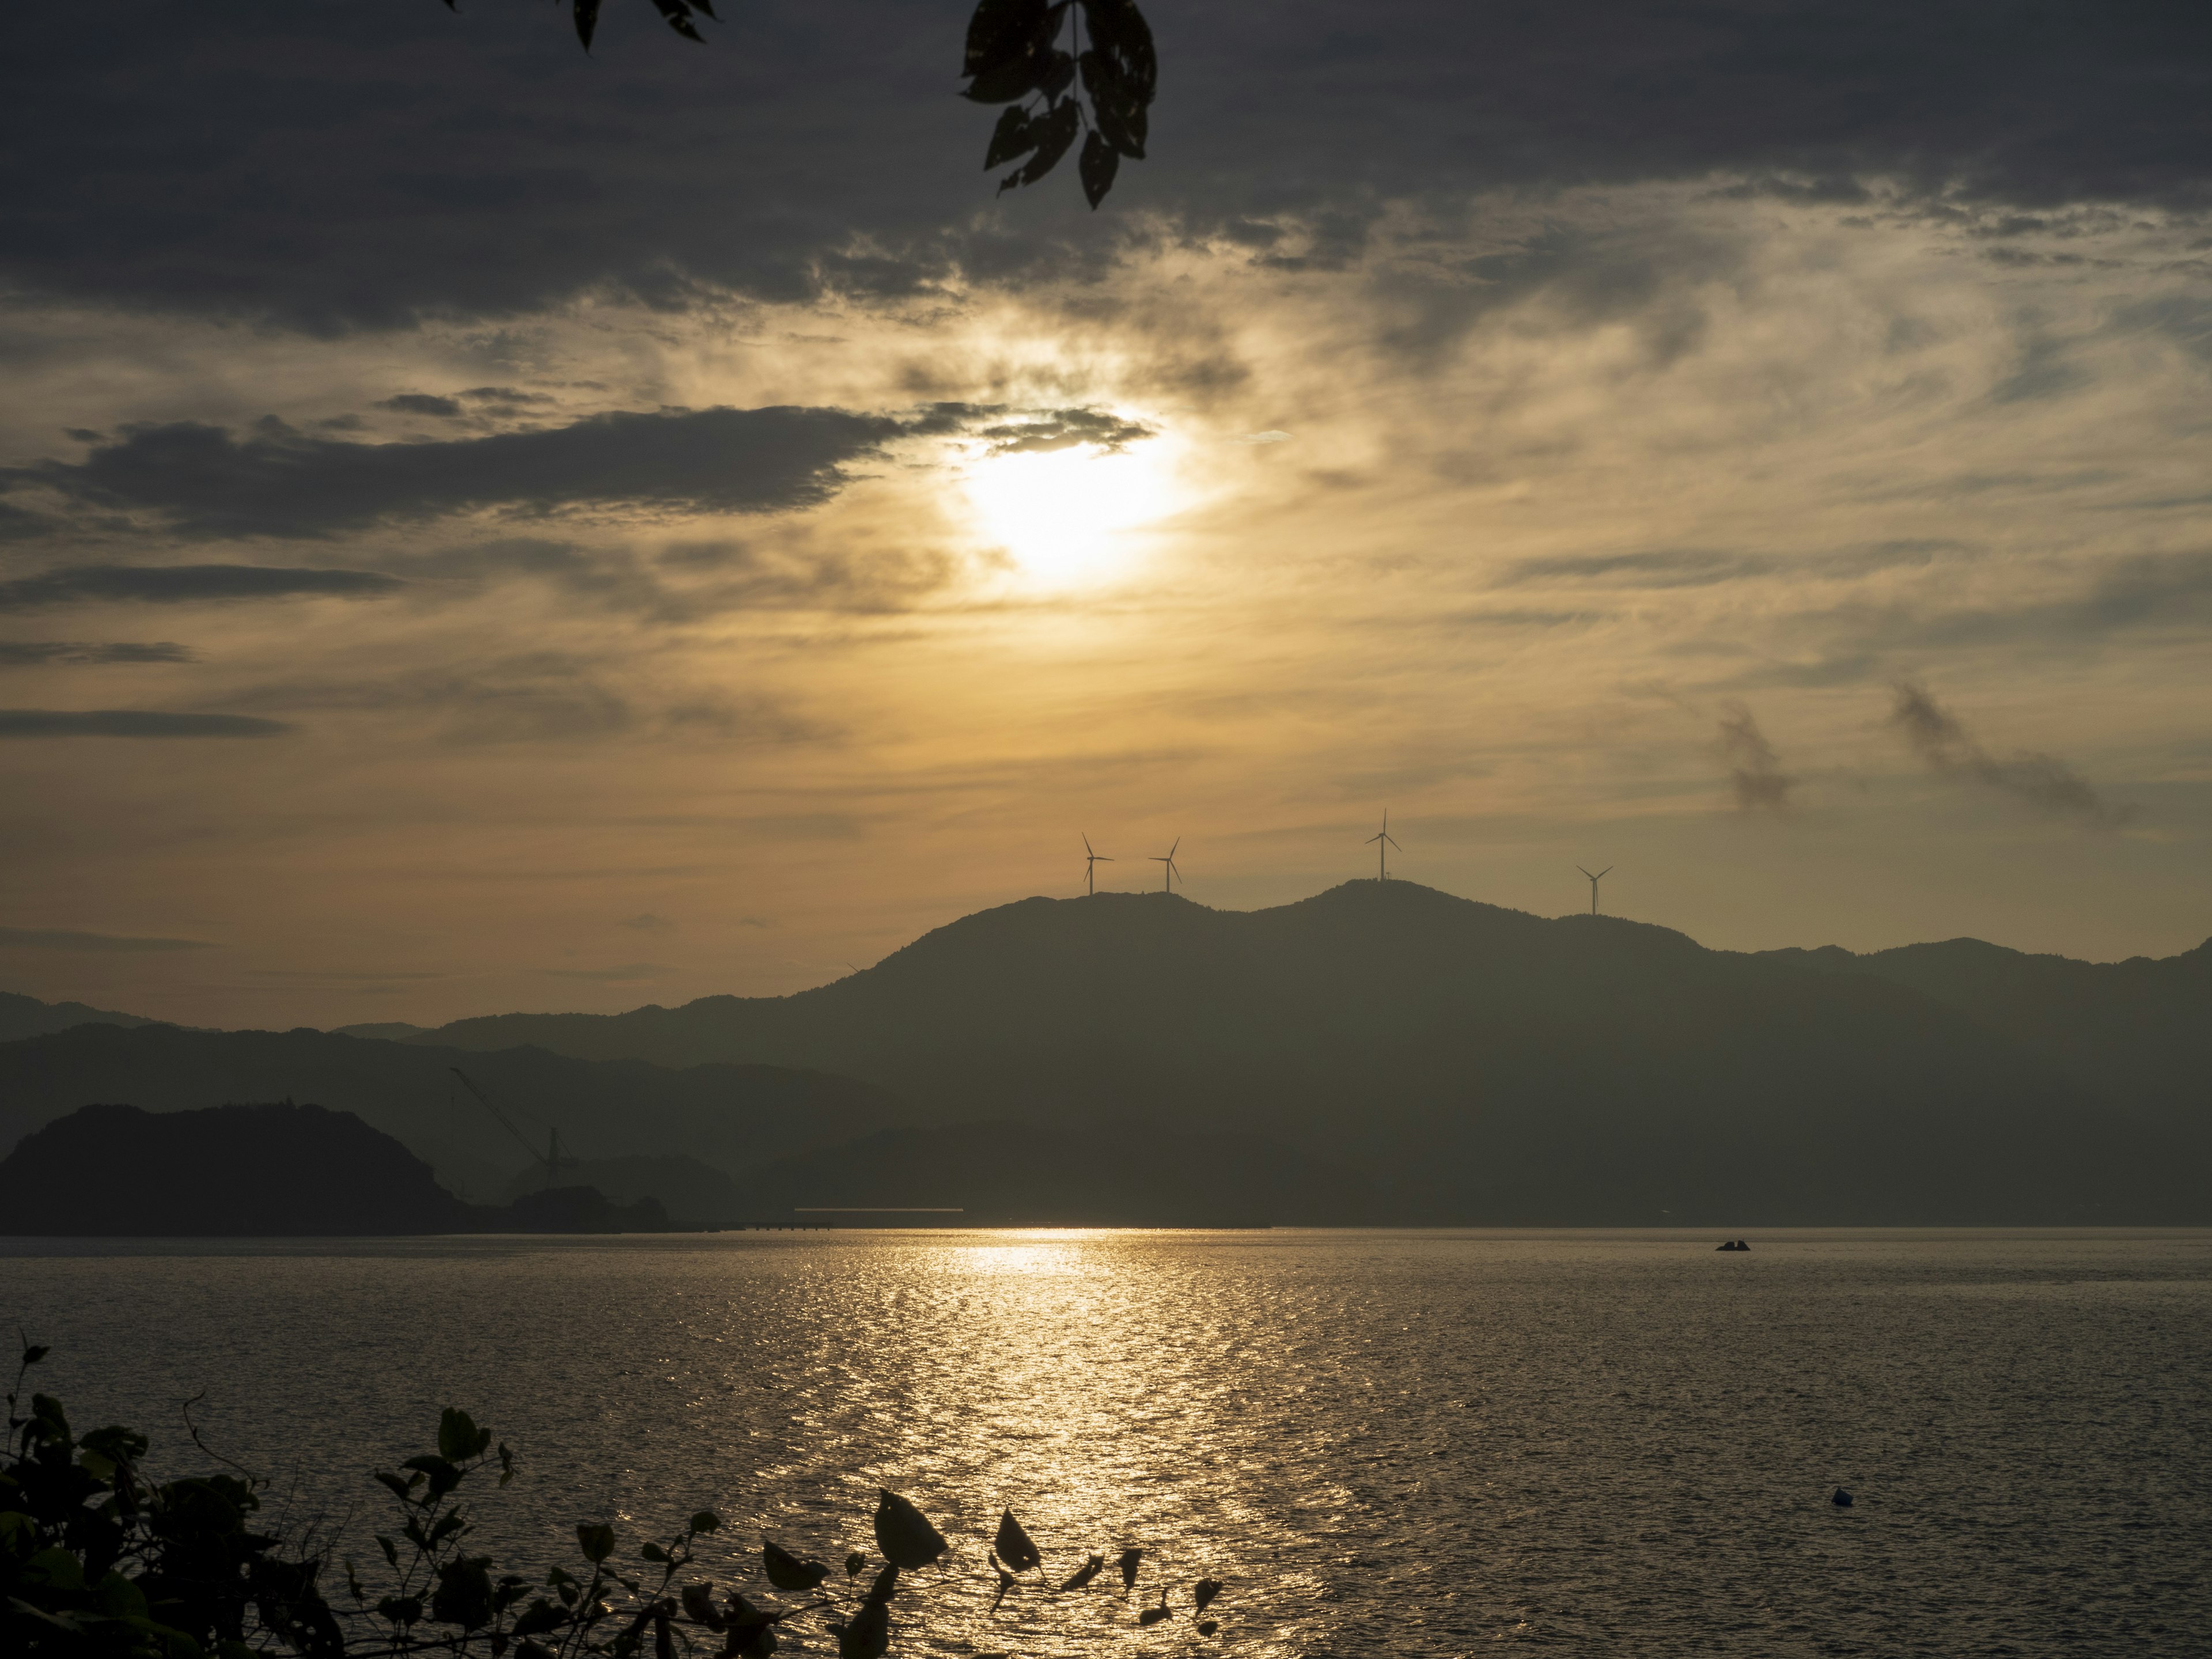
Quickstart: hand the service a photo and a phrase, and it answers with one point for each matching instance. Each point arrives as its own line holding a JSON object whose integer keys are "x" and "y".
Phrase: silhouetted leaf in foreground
{"x": 787, "y": 1571}
{"x": 853, "y": 1562}
{"x": 903, "y": 1533}
{"x": 1204, "y": 1591}
{"x": 1154, "y": 1615}
{"x": 1129, "y": 1565}
{"x": 885, "y": 1586}
{"x": 1005, "y": 1582}
{"x": 869, "y": 1634}
{"x": 1013, "y": 1547}
{"x": 1089, "y": 1570}
{"x": 1014, "y": 55}
{"x": 1207, "y": 1626}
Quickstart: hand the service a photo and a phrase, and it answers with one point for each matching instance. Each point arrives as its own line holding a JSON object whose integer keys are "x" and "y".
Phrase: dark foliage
{"x": 100, "y": 1560}
{"x": 1076, "y": 68}
{"x": 1067, "y": 70}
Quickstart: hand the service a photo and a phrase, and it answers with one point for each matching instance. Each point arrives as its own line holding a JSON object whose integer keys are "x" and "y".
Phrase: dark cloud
{"x": 340, "y": 165}
{"x": 187, "y": 584}
{"x": 207, "y": 481}
{"x": 1064, "y": 429}
{"x": 18, "y": 653}
{"x": 1754, "y": 769}
{"x": 1704, "y": 567}
{"x": 649, "y": 923}
{"x": 421, "y": 402}
{"x": 2043, "y": 781}
{"x": 131, "y": 723}
{"x": 46, "y": 939}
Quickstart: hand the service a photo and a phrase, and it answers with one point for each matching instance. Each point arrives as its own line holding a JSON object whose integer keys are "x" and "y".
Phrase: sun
{"x": 1065, "y": 515}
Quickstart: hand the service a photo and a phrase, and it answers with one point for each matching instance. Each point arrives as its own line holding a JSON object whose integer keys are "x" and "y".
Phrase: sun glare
{"x": 1065, "y": 516}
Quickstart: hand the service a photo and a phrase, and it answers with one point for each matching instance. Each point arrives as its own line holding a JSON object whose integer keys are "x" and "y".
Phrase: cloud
{"x": 649, "y": 923}
{"x": 2043, "y": 781}
{"x": 421, "y": 402}
{"x": 1754, "y": 769}
{"x": 187, "y": 584}
{"x": 1065, "y": 428}
{"x": 350, "y": 168}
{"x": 131, "y": 723}
{"x": 46, "y": 939}
{"x": 628, "y": 971}
{"x": 205, "y": 481}
{"x": 16, "y": 653}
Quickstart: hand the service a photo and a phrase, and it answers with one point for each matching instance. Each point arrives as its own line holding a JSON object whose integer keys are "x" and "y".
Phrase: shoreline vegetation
{"x": 101, "y": 1559}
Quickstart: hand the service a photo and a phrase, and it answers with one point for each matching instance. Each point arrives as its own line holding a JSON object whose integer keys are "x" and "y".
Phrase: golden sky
{"x": 1827, "y": 551}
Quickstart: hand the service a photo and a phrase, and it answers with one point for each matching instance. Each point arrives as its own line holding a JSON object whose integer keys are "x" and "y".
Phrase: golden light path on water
{"x": 1401, "y": 1444}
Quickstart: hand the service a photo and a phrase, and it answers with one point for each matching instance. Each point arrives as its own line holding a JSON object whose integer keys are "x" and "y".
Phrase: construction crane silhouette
{"x": 552, "y": 1158}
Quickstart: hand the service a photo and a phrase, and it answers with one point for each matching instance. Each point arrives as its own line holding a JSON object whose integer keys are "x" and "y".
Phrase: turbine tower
{"x": 1168, "y": 870}
{"x": 1382, "y": 844}
{"x": 1594, "y": 881}
{"x": 1091, "y": 862}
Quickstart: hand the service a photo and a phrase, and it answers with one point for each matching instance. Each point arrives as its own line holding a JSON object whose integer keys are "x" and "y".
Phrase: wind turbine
{"x": 1168, "y": 870}
{"x": 1382, "y": 844}
{"x": 1594, "y": 881}
{"x": 1090, "y": 861}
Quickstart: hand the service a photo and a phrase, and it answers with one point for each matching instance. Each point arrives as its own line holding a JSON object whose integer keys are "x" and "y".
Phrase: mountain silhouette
{"x": 1465, "y": 1063}
{"x": 730, "y": 1116}
{"x": 235, "y": 1171}
{"x": 24, "y": 1017}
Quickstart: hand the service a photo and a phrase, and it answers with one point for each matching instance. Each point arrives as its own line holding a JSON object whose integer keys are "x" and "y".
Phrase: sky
{"x": 484, "y": 527}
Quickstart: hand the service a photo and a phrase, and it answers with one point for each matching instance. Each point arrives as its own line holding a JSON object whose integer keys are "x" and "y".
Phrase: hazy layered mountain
{"x": 731, "y": 1116}
{"x": 2137, "y": 1033}
{"x": 1474, "y": 1064}
{"x": 23, "y": 1017}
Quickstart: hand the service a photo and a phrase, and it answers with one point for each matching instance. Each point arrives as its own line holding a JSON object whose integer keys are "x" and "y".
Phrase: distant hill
{"x": 2137, "y": 1033}
{"x": 730, "y": 1116}
{"x": 241, "y": 1172}
{"x": 260, "y": 1171}
{"x": 24, "y": 1017}
{"x": 1474, "y": 1064}
{"x": 391, "y": 1030}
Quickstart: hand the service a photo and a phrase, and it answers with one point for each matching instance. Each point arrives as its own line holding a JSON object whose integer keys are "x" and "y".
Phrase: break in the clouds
{"x": 132, "y": 723}
{"x": 2043, "y": 781}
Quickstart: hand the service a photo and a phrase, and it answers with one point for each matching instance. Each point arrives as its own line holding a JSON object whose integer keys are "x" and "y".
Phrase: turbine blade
{"x": 1605, "y": 872}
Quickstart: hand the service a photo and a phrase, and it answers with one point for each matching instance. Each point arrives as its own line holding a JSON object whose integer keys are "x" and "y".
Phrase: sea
{"x": 1380, "y": 1443}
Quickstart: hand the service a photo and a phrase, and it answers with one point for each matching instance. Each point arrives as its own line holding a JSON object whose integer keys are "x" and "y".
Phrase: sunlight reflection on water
{"x": 1390, "y": 1443}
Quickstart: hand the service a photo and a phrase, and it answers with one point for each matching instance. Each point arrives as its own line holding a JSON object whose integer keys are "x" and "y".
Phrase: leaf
{"x": 853, "y": 1562}
{"x": 391, "y": 1551}
{"x": 587, "y": 20}
{"x": 1013, "y": 1545}
{"x": 706, "y": 1520}
{"x": 885, "y": 1586}
{"x": 787, "y": 1571}
{"x": 699, "y": 1605}
{"x": 1096, "y": 165}
{"x": 459, "y": 1438}
{"x": 654, "y": 1552}
{"x": 1055, "y": 132}
{"x": 998, "y": 26}
{"x": 1118, "y": 30}
{"x": 34, "y": 1353}
{"x": 678, "y": 14}
{"x": 1119, "y": 112}
{"x": 1129, "y": 1565}
{"x": 540, "y": 1616}
{"x": 1014, "y": 136}
{"x": 1006, "y": 1582}
{"x": 869, "y": 1634}
{"x": 1207, "y": 1626}
{"x": 597, "y": 1540}
{"x": 903, "y": 1532}
{"x": 1084, "y": 1575}
{"x": 1204, "y": 1592}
